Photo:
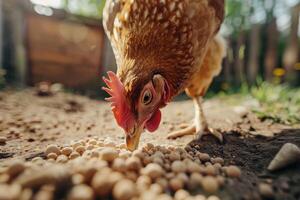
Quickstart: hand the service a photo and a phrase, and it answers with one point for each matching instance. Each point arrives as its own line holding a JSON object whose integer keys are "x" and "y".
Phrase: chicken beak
{"x": 133, "y": 139}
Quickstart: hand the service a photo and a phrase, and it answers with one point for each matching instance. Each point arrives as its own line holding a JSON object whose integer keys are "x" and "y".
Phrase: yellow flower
{"x": 279, "y": 72}
{"x": 297, "y": 66}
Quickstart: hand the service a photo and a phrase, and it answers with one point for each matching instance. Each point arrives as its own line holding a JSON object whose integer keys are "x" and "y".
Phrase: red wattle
{"x": 153, "y": 123}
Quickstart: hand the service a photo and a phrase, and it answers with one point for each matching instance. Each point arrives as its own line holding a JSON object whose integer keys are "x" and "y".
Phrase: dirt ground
{"x": 31, "y": 122}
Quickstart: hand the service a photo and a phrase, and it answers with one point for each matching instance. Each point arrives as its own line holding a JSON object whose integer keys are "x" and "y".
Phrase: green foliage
{"x": 279, "y": 103}
{"x": 240, "y": 15}
{"x": 89, "y": 8}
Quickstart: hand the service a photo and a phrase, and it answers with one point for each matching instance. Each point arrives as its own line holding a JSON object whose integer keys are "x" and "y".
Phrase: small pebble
{"x": 266, "y": 190}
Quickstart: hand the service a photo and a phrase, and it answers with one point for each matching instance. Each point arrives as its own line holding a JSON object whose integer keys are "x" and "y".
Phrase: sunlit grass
{"x": 279, "y": 103}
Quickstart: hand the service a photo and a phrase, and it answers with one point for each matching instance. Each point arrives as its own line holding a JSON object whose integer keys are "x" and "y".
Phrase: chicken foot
{"x": 200, "y": 126}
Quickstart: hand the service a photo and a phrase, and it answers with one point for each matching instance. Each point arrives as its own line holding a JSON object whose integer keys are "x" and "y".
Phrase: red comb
{"x": 119, "y": 105}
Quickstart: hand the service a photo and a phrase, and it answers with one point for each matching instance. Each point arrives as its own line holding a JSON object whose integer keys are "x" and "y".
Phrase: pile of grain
{"x": 94, "y": 168}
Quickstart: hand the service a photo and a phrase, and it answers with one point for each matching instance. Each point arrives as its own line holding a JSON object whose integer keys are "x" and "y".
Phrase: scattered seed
{"x": 81, "y": 192}
{"x": 133, "y": 163}
{"x": 210, "y": 184}
{"x": 52, "y": 149}
{"x": 67, "y": 151}
{"x": 52, "y": 156}
{"x": 3, "y": 140}
{"x": 10, "y": 192}
{"x": 16, "y": 168}
{"x": 62, "y": 159}
{"x": 80, "y": 149}
{"x": 204, "y": 157}
{"x": 233, "y": 171}
{"x": 74, "y": 155}
{"x": 176, "y": 184}
{"x": 178, "y": 166}
{"x": 108, "y": 154}
{"x": 213, "y": 198}
{"x": 124, "y": 190}
{"x": 181, "y": 195}
{"x": 153, "y": 170}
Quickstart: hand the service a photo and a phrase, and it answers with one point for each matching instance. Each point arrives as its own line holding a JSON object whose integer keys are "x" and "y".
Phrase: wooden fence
{"x": 59, "y": 48}
{"x": 263, "y": 52}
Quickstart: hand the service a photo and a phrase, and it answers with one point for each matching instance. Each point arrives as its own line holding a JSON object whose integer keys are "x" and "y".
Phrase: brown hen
{"x": 162, "y": 47}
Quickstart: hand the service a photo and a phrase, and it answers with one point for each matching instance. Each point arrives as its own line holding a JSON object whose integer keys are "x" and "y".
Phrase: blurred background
{"x": 62, "y": 41}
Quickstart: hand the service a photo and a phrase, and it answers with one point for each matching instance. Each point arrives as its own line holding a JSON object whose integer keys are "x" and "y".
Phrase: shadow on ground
{"x": 253, "y": 155}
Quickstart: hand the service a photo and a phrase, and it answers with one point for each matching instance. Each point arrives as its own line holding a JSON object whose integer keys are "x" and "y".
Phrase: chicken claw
{"x": 191, "y": 130}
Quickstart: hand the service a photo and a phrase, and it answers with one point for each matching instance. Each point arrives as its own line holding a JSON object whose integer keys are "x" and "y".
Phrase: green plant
{"x": 279, "y": 103}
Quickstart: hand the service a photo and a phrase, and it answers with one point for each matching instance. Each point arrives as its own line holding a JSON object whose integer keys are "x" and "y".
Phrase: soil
{"x": 31, "y": 122}
{"x": 253, "y": 155}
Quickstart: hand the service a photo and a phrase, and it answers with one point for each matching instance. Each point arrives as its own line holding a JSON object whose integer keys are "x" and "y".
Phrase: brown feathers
{"x": 166, "y": 37}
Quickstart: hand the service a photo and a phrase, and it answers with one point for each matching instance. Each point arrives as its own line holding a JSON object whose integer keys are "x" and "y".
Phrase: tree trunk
{"x": 290, "y": 57}
{"x": 253, "y": 63}
{"x": 15, "y": 48}
{"x": 239, "y": 55}
{"x": 1, "y": 35}
{"x": 271, "y": 54}
{"x": 228, "y": 63}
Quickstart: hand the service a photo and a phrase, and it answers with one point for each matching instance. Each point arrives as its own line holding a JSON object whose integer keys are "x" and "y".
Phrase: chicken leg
{"x": 200, "y": 126}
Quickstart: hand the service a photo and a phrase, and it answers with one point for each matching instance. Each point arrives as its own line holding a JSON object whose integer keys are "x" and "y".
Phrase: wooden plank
{"x": 63, "y": 51}
{"x": 70, "y": 76}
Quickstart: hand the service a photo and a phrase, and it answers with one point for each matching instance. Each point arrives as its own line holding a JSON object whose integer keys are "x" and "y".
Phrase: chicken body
{"x": 173, "y": 40}
{"x": 198, "y": 86}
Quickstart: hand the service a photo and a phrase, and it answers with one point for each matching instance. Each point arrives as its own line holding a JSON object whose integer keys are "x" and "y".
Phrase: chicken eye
{"x": 147, "y": 98}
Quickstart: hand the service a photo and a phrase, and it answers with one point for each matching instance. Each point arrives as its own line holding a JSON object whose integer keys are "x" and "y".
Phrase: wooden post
{"x": 14, "y": 20}
{"x": 1, "y": 34}
{"x": 239, "y": 55}
{"x": 290, "y": 57}
{"x": 228, "y": 62}
{"x": 253, "y": 63}
{"x": 271, "y": 54}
